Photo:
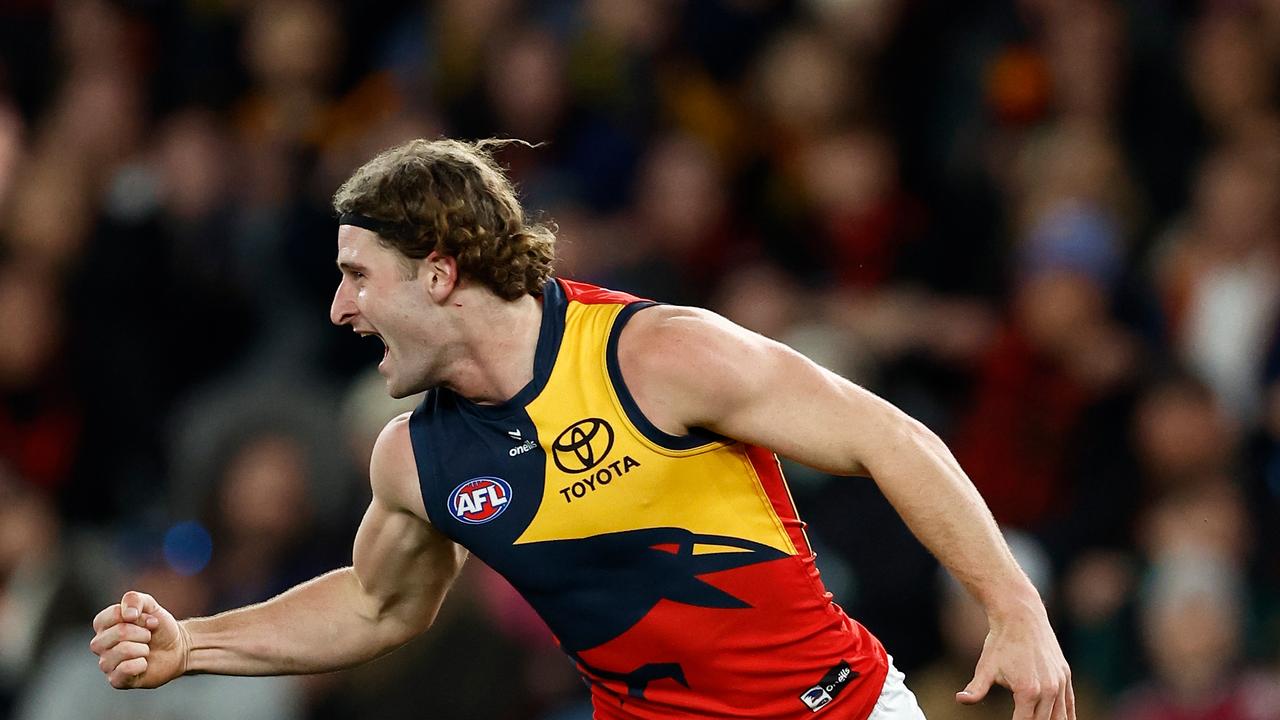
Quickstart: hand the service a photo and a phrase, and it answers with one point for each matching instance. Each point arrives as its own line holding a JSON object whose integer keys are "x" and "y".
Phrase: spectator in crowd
{"x": 40, "y": 417}
{"x": 1194, "y": 614}
{"x": 38, "y": 594}
{"x": 65, "y": 687}
{"x": 1218, "y": 275}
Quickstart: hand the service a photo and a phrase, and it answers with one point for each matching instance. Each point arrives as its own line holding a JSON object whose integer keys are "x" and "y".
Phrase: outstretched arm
{"x": 747, "y": 387}
{"x": 401, "y": 569}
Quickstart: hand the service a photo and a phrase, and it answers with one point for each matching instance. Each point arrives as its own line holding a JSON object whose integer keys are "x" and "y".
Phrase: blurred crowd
{"x": 1049, "y": 229}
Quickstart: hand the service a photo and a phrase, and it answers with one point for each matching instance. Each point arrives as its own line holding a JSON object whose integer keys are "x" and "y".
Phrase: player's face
{"x": 375, "y": 297}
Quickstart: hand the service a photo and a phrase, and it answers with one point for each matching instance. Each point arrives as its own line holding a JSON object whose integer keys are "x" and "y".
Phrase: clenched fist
{"x": 139, "y": 644}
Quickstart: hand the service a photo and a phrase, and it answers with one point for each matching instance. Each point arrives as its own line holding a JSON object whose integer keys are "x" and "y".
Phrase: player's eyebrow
{"x": 350, "y": 267}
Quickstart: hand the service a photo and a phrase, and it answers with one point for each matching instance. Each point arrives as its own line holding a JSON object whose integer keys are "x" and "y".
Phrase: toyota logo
{"x": 582, "y": 445}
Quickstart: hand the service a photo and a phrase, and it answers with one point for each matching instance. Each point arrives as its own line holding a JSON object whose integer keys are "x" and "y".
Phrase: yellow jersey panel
{"x": 604, "y": 476}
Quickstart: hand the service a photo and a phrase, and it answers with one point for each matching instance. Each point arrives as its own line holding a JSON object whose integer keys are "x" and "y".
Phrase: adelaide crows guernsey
{"x": 674, "y": 571}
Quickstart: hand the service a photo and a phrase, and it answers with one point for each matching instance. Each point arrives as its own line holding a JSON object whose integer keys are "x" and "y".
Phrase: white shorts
{"x": 896, "y": 701}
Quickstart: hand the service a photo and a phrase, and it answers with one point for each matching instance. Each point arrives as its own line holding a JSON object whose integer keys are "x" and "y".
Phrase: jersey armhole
{"x": 418, "y": 440}
{"x": 697, "y": 437}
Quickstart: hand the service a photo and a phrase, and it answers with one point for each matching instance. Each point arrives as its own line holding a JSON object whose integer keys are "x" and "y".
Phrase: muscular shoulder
{"x": 684, "y": 364}
{"x": 668, "y": 323}
{"x": 393, "y": 473}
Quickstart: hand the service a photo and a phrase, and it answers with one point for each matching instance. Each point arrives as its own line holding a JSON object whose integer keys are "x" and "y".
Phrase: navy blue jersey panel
{"x": 591, "y": 590}
{"x": 481, "y": 478}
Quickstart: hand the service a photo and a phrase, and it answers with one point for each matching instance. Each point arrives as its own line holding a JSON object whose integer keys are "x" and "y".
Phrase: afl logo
{"x": 583, "y": 445}
{"x": 479, "y": 500}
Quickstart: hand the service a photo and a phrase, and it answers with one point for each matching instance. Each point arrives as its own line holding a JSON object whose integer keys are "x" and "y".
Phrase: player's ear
{"x": 439, "y": 274}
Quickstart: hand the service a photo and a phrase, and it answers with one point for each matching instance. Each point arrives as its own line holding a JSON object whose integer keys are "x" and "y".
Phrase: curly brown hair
{"x": 451, "y": 197}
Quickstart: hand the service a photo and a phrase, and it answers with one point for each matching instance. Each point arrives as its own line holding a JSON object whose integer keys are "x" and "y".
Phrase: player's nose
{"x": 343, "y": 309}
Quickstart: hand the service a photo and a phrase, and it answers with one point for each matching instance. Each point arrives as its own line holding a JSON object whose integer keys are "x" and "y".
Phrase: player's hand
{"x": 1022, "y": 654}
{"x": 139, "y": 644}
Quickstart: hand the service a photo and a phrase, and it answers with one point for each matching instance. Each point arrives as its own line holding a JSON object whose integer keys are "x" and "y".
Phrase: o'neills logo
{"x": 584, "y": 447}
{"x": 829, "y": 687}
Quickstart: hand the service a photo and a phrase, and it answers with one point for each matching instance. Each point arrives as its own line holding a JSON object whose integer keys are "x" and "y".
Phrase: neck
{"x": 498, "y": 341}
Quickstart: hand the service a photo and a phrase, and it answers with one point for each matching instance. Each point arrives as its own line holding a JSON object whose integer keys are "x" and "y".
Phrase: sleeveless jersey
{"x": 674, "y": 571}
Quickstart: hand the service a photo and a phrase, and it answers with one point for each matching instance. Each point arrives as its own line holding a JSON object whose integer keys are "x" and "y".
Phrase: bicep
{"x": 403, "y": 564}
{"x": 804, "y": 412}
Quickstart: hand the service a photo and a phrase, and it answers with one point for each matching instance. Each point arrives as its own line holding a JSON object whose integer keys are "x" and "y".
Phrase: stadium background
{"x": 1047, "y": 228}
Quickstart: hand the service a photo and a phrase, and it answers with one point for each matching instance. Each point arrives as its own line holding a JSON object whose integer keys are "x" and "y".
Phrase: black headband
{"x": 383, "y": 227}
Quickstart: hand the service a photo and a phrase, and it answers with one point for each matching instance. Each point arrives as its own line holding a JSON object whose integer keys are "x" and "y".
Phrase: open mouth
{"x": 386, "y": 349}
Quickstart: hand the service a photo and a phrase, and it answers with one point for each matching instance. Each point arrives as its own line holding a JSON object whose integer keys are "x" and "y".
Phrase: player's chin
{"x": 393, "y": 388}
{"x": 398, "y": 386}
